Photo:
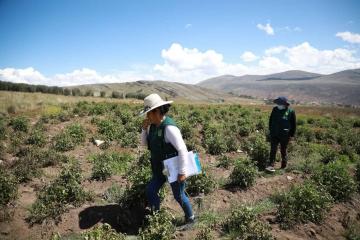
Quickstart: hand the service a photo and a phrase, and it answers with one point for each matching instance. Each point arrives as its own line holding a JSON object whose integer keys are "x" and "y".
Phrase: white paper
{"x": 192, "y": 166}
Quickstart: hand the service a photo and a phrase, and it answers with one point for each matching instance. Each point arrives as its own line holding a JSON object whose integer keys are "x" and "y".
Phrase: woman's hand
{"x": 145, "y": 124}
{"x": 181, "y": 178}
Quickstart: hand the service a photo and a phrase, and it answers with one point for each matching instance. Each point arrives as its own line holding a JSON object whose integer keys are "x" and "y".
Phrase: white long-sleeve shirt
{"x": 173, "y": 136}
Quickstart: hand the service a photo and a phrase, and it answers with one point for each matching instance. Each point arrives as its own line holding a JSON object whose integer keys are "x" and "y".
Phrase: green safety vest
{"x": 159, "y": 149}
{"x": 280, "y": 123}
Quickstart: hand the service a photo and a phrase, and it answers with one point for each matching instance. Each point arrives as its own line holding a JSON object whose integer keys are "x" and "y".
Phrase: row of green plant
{"x": 311, "y": 200}
{"x": 69, "y": 138}
{"x": 108, "y": 163}
{"x": 54, "y": 199}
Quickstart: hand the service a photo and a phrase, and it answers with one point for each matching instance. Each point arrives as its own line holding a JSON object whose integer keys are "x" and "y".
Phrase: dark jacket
{"x": 282, "y": 123}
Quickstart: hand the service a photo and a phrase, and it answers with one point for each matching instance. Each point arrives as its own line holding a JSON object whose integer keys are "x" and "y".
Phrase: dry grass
{"x": 33, "y": 102}
{"x": 24, "y": 102}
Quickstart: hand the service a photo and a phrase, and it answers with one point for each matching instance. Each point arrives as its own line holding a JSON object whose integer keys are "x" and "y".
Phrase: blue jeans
{"x": 178, "y": 189}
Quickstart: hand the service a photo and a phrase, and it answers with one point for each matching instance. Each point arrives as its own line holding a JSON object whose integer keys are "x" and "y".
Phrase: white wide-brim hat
{"x": 151, "y": 102}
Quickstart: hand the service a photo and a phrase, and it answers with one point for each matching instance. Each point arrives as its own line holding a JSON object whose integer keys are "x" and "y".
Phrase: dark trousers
{"x": 275, "y": 141}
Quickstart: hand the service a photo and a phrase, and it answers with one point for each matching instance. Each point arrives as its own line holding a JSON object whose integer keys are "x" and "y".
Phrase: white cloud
{"x": 248, "y": 56}
{"x": 192, "y": 65}
{"x": 188, "y": 65}
{"x": 76, "y": 77}
{"x": 275, "y": 50}
{"x": 26, "y": 75}
{"x": 187, "y": 26}
{"x": 308, "y": 58}
{"x": 349, "y": 37}
{"x": 267, "y": 28}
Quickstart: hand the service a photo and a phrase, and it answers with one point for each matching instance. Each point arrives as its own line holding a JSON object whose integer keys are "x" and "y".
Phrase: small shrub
{"x": 205, "y": 233}
{"x": 352, "y": 231}
{"x": 159, "y": 227}
{"x": 69, "y": 138}
{"x": 214, "y": 139}
{"x": 224, "y": 161}
{"x": 138, "y": 175}
{"x": 243, "y": 174}
{"x": 20, "y": 124}
{"x": 130, "y": 139}
{"x": 201, "y": 183}
{"x": 8, "y": 187}
{"x": 328, "y": 155}
{"x": 101, "y": 170}
{"x": 245, "y": 130}
{"x": 305, "y": 134}
{"x": 110, "y": 130}
{"x": 77, "y": 133}
{"x": 106, "y": 164}
{"x": 53, "y": 199}
{"x": 335, "y": 178}
{"x": 27, "y": 166}
{"x": 102, "y": 232}
{"x": 114, "y": 194}
{"x": 357, "y": 174}
{"x": 63, "y": 142}
{"x": 258, "y": 150}
{"x": 301, "y": 204}
{"x": 187, "y": 130}
{"x": 216, "y": 144}
{"x": 2, "y": 129}
{"x": 37, "y": 138}
{"x": 243, "y": 224}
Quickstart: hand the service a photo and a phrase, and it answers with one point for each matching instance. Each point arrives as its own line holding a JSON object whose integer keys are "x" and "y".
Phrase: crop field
{"x": 56, "y": 183}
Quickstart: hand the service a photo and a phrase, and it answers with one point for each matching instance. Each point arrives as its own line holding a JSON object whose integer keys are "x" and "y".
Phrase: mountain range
{"x": 337, "y": 88}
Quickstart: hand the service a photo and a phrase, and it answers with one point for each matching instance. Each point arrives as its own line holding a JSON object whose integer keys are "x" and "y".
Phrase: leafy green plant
{"x": 205, "y": 233}
{"x": 335, "y": 178}
{"x": 3, "y": 130}
{"x": 53, "y": 199}
{"x": 69, "y": 138}
{"x": 110, "y": 129}
{"x": 258, "y": 150}
{"x": 224, "y": 161}
{"x": 8, "y": 187}
{"x": 214, "y": 140}
{"x": 352, "y": 231}
{"x": 357, "y": 174}
{"x": 158, "y": 226}
{"x": 301, "y": 204}
{"x": 76, "y": 132}
{"x": 20, "y": 124}
{"x": 243, "y": 174}
{"x": 201, "y": 183}
{"x": 328, "y": 154}
{"x": 243, "y": 224}
{"x": 114, "y": 194}
{"x": 106, "y": 164}
{"x": 37, "y": 137}
{"x": 102, "y": 232}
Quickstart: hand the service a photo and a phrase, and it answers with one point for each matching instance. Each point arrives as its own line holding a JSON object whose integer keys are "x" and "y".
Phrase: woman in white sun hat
{"x": 163, "y": 138}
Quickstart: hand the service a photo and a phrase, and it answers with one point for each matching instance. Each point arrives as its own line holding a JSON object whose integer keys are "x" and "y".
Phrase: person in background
{"x": 282, "y": 127}
{"x": 164, "y": 140}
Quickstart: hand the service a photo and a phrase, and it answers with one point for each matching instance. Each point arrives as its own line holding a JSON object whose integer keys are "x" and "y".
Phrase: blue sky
{"x": 75, "y": 42}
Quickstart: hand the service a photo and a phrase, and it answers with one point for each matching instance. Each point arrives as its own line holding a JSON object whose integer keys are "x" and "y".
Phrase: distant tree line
{"x": 24, "y": 87}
